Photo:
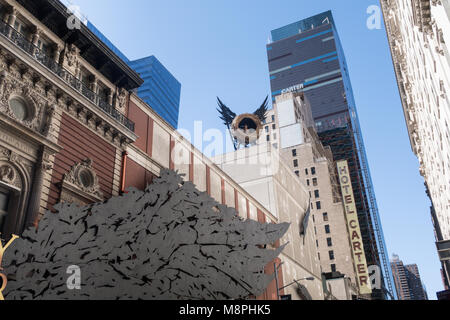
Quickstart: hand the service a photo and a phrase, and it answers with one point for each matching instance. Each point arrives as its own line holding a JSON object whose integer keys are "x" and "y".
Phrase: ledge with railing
{"x": 37, "y": 54}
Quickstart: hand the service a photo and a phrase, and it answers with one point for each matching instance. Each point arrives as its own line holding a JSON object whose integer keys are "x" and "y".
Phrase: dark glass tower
{"x": 307, "y": 56}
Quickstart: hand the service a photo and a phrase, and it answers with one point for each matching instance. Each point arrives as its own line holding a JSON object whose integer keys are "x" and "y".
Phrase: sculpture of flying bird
{"x": 246, "y": 121}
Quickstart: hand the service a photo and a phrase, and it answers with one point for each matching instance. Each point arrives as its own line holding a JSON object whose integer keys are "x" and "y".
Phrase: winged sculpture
{"x": 245, "y": 123}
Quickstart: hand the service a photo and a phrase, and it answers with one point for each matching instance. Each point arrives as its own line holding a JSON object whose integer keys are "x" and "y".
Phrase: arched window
{"x": 13, "y": 195}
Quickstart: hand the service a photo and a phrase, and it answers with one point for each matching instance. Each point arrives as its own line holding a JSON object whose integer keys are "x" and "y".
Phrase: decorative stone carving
{"x": 71, "y": 56}
{"x": 82, "y": 177}
{"x": 7, "y": 174}
{"x": 35, "y": 103}
{"x": 122, "y": 99}
{"x": 50, "y": 113}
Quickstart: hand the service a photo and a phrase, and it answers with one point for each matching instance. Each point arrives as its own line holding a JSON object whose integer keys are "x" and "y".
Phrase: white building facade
{"x": 419, "y": 35}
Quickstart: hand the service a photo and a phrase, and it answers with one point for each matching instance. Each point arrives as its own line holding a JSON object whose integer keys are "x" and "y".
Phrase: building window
{"x": 296, "y": 163}
{"x": 325, "y": 217}
{"x": 327, "y": 229}
{"x": 4, "y": 205}
{"x": 307, "y": 182}
{"x": 294, "y": 152}
{"x": 317, "y": 194}
{"x": 306, "y": 171}
{"x": 329, "y": 242}
{"x": 20, "y": 109}
{"x": 86, "y": 78}
{"x": 297, "y": 173}
{"x": 317, "y": 243}
{"x": 267, "y": 128}
{"x": 318, "y": 205}
{"x": 331, "y": 254}
{"x": 315, "y": 182}
{"x": 268, "y": 138}
{"x": 313, "y": 171}
{"x": 274, "y": 126}
{"x": 333, "y": 268}
{"x": 21, "y": 27}
{"x": 273, "y": 118}
{"x": 274, "y": 136}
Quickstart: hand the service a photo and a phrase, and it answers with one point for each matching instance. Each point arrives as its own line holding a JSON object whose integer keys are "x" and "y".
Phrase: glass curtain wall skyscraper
{"x": 307, "y": 56}
{"x": 161, "y": 90}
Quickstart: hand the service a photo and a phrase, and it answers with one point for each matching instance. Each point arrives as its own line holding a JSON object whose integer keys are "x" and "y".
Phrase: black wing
{"x": 262, "y": 111}
{"x": 225, "y": 113}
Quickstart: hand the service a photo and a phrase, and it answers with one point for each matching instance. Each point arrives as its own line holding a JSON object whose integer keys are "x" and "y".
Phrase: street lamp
{"x": 295, "y": 281}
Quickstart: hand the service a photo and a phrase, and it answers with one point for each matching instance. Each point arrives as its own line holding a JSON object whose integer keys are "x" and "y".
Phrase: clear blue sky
{"x": 217, "y": 48}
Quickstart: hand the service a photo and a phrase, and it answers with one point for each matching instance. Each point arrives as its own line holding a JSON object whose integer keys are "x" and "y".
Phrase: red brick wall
{"x": 136, "y": 176}
{"x": 143, "y": 128}
{"x": 79, "y": 143}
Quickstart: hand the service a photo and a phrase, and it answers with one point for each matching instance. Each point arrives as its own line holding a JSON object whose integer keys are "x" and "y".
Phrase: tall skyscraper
{"x": 307, "y": 56}
{"x": 161, "y": 90}
{"x": 407, "y": 280}
{"x": 419, "y": 37}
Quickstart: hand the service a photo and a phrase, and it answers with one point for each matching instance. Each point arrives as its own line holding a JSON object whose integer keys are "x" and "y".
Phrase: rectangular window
{"x": 317, "y": 194}
{"x": 21, "y": 27}
{"x": 296, "y": 163}
{"x": 318, "y": 205}
{"x": 307, "y": 182}
{"x": 315, "y": 182}
{"x": 313, "y": 171}
{"x": 273, "y": 118}
{"x": 333, "y": 268}
{"x": 267, "y": 128}
{"x": 294, "y": 152}
{"x": 329, "y": 242}
{"x": 327, "y": 229}
{"x": 274, "y": 126}
{"x": 331, "y": 254}
{"x": 268, "y": 138}
{"x": 4, "y": 204}
{"x": 306, "y": 171}
{"x": 297, "y": 173}
{"x": 325, "y": 217}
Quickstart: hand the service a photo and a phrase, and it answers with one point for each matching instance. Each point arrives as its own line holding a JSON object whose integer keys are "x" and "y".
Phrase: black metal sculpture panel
{"x": 170, "y": 241}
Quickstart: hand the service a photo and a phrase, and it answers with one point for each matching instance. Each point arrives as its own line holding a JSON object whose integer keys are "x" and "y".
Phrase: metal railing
{"x": 37, "y": 54}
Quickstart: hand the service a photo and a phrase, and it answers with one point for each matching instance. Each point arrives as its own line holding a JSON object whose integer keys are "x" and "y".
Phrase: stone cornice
{"x": 70, "y": 98}
{"x": 396, "y": 44}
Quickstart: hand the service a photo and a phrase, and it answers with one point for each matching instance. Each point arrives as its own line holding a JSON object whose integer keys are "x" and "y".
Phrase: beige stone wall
{"x": 261, "y": 173}
{"x": 335, "y": 211}
{"x": 419, "y": 37}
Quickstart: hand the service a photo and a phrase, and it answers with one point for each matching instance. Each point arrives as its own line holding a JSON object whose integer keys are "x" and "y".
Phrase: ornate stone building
{"x": 71, "y": 128}
{"x": 419, "y": 34}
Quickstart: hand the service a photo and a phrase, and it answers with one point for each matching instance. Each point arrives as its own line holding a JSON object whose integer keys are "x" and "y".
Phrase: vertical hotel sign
{"x": 351, "y": 215}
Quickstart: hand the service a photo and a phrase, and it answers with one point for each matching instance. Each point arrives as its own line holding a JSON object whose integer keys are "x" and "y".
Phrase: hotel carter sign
{"x": 4, "y": 280}
{"x": 351, "y": 215}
